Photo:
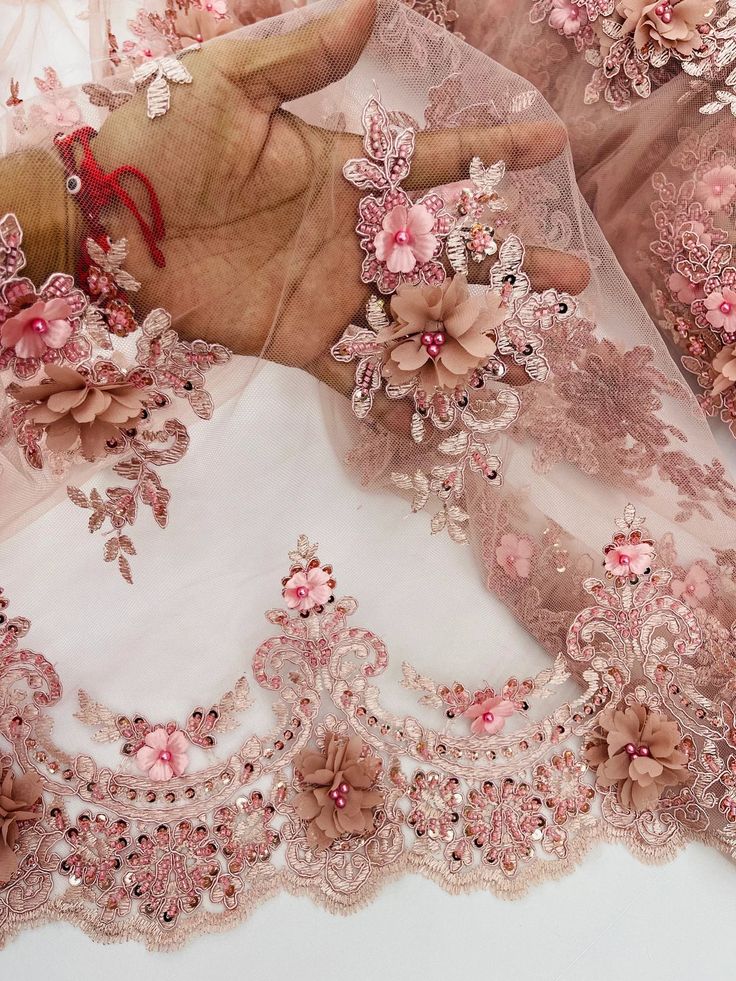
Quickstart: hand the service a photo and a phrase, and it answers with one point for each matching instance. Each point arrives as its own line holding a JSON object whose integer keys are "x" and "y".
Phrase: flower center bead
{"x": 664, "y": 11}
{"x": 39, "y": 325}
{"x": 302, "y": 592}
{"x": 725, "y": 307}
{"x": 339, "y": 794}
{"x": 718, "y": 188}
{"x": 433, "y": 341}
{"x": 165, "y": 756}
{"x": 636, "y": 751}
{"x": 488, "y": 717}
{"x": 402, "y": 237}
{"x": 624, "y": 560}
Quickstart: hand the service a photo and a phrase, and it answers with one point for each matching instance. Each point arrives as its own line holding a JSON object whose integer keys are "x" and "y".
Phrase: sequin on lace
{"x": 125, "y": 856}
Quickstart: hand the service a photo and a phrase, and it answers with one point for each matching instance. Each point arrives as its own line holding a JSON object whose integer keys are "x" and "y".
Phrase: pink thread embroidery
{"x": 435, "y": 342}
{"x": 86, "y": 405}
{"x": 125, "y": 855}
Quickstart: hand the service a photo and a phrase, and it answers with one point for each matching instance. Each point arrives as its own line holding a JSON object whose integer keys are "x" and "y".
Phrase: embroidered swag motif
{"x": 344, "y": 794}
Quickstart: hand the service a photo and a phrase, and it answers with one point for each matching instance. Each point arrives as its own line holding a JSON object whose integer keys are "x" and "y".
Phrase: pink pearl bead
{"x": 334, "y": 794}
{"x": 642, "y": 751}
{"x": 340, "y": 802}
{"x": 624, "y": 559}
{"x": 667, "y": 16}
{"x": 39, "y": 325}
{"x": 165, "y": 756}
{"x": 302, "y": 592}
{"x": 427, "y": 339}
{"x": 433, "y": 350}
{"x": 344, "y": 789}
{"x": 439, "y": 338}
{"x": 725, "y": 307}
{"x": 488, "y": 717}
{"x": 631, "y": 749}
{"x": 402, "y": 237}
{"x": 718, "y": 188}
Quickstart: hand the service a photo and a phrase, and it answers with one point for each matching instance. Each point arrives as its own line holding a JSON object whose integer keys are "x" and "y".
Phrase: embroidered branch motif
{"x": 344, "y": 794}
{"x": 200, "y": 729}
{"x": 87, "y": 406}
{"x": 437, "y": 342}
{"x": 155, "y": 75}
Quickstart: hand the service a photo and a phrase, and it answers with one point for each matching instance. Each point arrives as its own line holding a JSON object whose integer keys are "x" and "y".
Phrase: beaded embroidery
{"x": 420, "y": 346}
{"x": 127, "y": 856}
{"x": 80, "y": 338}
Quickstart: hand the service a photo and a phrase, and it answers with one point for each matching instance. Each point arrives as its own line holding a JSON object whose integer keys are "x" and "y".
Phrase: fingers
{"x": 277, "y": 69}
{"x": 444, "y": 156}
{"x": 546, "y": 268}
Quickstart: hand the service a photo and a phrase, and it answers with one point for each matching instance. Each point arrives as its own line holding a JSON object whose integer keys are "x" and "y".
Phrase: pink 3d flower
{"x": 61, "y": 113}
{"x": 717, "y": 188}
{"x": 567, "y": 18}
{"x": 514, "y": 555}
{"x": 683, "y": 289}
{"x": 627, "y": 560}
{"x": 163, "y": 754}
{"x": 721, "y": 307}
{"x": 35, "y": 328}
{"x": 489, "y": 716}
{"x": 406, "y": 238}
{"x": 724, "y": 364}
{"x": 693, "y": 587}
{"x": 307, "y": 589}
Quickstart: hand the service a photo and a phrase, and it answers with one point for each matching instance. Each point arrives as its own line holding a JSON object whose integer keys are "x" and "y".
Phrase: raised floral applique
{"x": 88, "y": 402}
{"x": 436, "y": 341}
{"x": 344, "y": 794}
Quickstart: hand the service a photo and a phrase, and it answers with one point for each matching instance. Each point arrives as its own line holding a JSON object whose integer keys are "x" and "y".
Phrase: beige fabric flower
{"x": 724, "y": 364}
{"x": 17, "y": 797}
{"x": 665, "y": 24}
{"x": 340, "y": 797}
{"x": 638, "y": 753}
{"x": 439, "y": 333}
{"x": 74, "y": 407}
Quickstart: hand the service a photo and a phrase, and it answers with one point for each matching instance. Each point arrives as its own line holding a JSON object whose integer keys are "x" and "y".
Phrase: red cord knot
{"x": 95, "y": 189}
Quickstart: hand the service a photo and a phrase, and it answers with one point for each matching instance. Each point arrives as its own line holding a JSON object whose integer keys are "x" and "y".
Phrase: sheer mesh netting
{"x": 330, "y": 277}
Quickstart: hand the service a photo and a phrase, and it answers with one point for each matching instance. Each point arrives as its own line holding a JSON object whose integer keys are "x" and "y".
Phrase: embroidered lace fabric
{"x": 438, "y": 371}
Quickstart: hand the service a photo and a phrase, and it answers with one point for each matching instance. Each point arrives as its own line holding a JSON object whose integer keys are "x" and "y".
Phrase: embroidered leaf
{"x": 486, "y": 179}
{"x": 376, "y": 313}
{"x": 92, "y": 713}
{"x": 201, "y": 402}
{"x": 365, "y": 174}
{"x": 96, "y": 519}
{"x": 420, "y": 482}
{"x": 100, "y": 95}
{"x": 457, "y": 514}
{"x": 454, "y": 445}
{"x": 401, "y": 154}
{"x": 76, "y": 496}
{"x": 145, "y": 71}
{"x": 456, "y": 251}
{"x": 158, "y": 97}
{"x": 96, "y": 327}
{"x": 130, "y": 469}
{"x": 377, "y": 140}
{"x": 126, "y": 545}
{"x": 110, "y": 551}
{"x": 457, "y": 533}
{"x": 124, "y": 567}
{"x": 402, "y": 480}
{"x": 439, "y": 520}
{"x": 417, "y": 427}
{"x": 231, "y": 704}
{"x": 175, "y": 71}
